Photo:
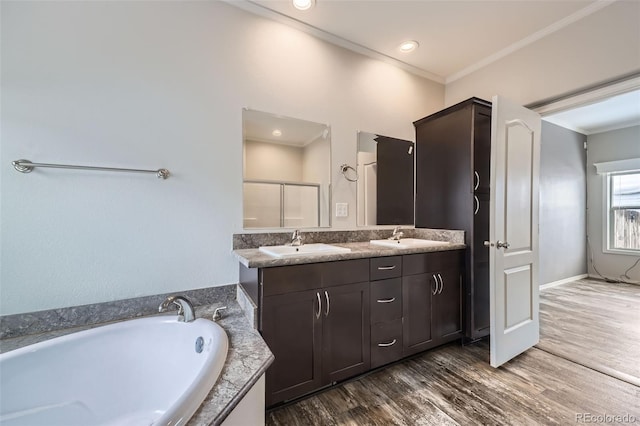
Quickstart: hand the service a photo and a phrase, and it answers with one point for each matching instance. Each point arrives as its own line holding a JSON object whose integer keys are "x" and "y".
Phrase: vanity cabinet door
{"x": 345, "y": 331}
{"x": 417, "y": 291}
{"x": 292, "y": 328}
{"x": 447, "y": 318}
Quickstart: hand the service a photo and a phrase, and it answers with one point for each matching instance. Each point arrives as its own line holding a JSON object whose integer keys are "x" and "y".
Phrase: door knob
{"x": 498, "y": 244}
{"x": 502, "y": 244}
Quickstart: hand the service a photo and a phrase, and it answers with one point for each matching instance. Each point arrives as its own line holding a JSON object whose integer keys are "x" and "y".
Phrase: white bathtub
{"x": 139, "y": 372}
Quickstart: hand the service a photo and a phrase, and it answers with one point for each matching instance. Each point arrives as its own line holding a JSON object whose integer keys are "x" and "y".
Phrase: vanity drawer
{"x": 386, "y": 300}
{"x": 421, "y": 263}
{"x": 289, "y": 279}
{"x": 344, "y": 272}
{"x": 386, "y": 267}
{"x": 386, "y": 342}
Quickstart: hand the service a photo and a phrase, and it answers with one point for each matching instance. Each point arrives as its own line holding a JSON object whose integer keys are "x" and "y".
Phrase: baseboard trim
{"x": 564, "y": 281}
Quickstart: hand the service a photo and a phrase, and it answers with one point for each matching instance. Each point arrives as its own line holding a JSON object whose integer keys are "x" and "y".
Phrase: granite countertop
{"x": 254, "y": 258}
{"x": 247, "y": 359}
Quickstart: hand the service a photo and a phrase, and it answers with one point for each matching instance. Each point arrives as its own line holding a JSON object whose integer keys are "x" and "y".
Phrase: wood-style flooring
{"x": 594, "y": 323}
{"x": 455, "y": 385}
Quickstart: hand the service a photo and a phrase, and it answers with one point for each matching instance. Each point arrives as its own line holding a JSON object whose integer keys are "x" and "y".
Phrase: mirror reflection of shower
{"x": 385, "y": 194}
{"x": 286, "y": 172}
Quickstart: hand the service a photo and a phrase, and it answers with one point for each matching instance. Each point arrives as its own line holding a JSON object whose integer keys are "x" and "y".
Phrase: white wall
{"x": 150, "y": 85}
{"x": 598, "y": 48}
{"x": 273, "y": 161}
{"x": 609, "y": 146}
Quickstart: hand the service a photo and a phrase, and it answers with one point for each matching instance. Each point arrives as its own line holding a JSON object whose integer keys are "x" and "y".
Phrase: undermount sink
{"x": 409, "y": 243}
{"x": 303, "y": 250}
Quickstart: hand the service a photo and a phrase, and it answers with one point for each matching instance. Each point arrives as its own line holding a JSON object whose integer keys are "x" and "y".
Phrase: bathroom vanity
{"x": 328, "y": 318}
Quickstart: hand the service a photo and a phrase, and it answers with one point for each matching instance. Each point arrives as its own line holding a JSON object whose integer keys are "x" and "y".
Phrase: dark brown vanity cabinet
{"x": 453, "y": 166}
{"x": 315, "y": 320}
{"x": 431, "y": 300}
{"x": 329, "y": 321}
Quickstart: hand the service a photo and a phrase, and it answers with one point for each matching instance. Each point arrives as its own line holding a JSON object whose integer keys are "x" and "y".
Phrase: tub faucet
{"x": 397, "y": 234}
{"x": 185, "y": 308}
{"x": 296, "y": 238}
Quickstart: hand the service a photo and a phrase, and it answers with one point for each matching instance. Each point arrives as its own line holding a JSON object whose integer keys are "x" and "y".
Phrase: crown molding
{"x": 556, "y": 26}
{"x": 265, "y": 12}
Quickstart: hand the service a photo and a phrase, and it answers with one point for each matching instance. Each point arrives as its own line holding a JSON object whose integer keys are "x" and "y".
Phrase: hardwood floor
{"x": 455, "y": 385}
{"x": 594, "y": 323}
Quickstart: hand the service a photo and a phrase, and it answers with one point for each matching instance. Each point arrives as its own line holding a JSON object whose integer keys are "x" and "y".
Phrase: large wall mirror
{"x": 385, "y": 194}
{"x": 286, "y": 171}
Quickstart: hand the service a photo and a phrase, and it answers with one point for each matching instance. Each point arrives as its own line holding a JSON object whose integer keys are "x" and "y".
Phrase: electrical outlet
{"x": 342, "y": 209}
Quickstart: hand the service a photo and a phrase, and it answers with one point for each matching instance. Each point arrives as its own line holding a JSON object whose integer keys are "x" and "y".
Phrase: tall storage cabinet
{"x": 453, "y": 165}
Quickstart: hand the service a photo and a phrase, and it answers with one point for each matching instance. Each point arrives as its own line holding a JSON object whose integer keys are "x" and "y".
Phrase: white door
{"x": 513, "y": 230}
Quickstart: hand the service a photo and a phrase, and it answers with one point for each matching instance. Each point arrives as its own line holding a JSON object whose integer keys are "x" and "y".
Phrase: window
{"x": 624, "y": 211}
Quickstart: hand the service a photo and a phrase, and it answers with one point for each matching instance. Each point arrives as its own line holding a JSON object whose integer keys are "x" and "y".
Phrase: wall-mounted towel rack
{"x": 26, "y": 166}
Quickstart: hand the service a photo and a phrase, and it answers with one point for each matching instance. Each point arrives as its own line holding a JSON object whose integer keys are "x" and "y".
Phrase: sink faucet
{"x": 185, "y": 308}
{"x": 397, "y": 234}
{"x": 296, "y": 238}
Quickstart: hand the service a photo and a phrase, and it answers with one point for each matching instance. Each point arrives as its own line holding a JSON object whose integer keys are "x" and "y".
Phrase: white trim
{"x": 564, "y": 281}
{"x": 265, "y": 12}
{"x": 626, "y": 165}
{"x": 589, "y": 97}
{"x": 606, "y": 215}
{"x": 556, "y": 26}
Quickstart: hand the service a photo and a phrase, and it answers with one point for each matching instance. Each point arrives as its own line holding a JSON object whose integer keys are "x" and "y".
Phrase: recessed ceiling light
{"x": 408, "y": 46}
{"x": 303, "y": 4}
{"x": 276, "y": 133}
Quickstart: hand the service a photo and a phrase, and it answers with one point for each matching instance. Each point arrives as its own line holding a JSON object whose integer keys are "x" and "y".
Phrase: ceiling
{"x": 260, "y": 127}
{"x": 456, "y": 37}
{"x": 616, "y": 112}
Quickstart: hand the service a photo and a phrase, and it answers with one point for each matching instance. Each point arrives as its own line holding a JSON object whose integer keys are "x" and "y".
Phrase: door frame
{"x": 586, "y": 96}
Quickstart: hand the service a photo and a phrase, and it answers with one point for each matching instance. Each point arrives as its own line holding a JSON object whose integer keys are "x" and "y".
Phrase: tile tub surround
{"x": 249, "y": 241}
{"x": 247, "y": 359}
{"x": 254, "y": 258}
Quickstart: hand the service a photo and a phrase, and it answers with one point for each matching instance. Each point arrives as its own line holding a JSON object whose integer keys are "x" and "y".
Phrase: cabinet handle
{"x": 385, "y": 345}
{"x": 326, "y": 296}
{"x": 477, "y": 180}
{"x": 319, "y": 306}
{"x": 386, "y": 268}
{"x": 393, "y": 299}
{"x": 441, "y": 284}
{"x": 477, "y": 203}
{"x": 435, "y": 280}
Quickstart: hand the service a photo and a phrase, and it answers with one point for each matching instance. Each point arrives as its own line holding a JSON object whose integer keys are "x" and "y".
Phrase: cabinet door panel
{"x": 345, "y": 331}
{"x": 481, "y": 228}
{"x": 447, "y": 305}
{"x": 443, "y": 148}
{"x": 480, "y": 311}
{"x": 417, "y": 291}
{"x": 293, "y": 333}
{"x": 482, "y": 148}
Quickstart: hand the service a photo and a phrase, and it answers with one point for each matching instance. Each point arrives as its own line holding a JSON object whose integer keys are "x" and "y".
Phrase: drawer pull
{"x": 386, "y": 345}
{"x": 393, "y": 299}
{"x": 386, "y": 268}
